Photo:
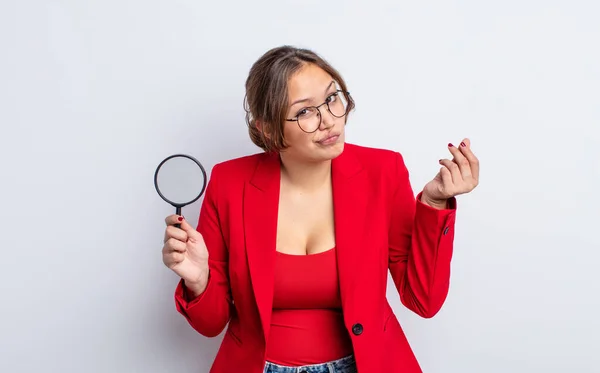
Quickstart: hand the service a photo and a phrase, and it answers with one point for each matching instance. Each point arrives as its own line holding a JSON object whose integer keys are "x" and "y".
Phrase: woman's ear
{"x": 262, "y": 128}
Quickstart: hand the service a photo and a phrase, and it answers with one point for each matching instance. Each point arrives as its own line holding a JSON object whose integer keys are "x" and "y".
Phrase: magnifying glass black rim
{"x": 174, "y": 204}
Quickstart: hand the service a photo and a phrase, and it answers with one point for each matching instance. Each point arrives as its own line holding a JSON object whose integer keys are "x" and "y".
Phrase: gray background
{"x": 94, "y": 94}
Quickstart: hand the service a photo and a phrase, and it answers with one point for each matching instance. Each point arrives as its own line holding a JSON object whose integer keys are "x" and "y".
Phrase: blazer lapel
{"x": 261, "y": 200}
{"x": 350, "y": 183}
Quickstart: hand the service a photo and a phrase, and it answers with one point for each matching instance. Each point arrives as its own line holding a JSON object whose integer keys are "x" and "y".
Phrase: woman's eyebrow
{"x": 308, "y": 99}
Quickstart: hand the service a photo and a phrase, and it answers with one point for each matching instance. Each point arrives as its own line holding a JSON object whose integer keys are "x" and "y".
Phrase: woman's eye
{"x": 332, "y": 97}
{"x": 302, "y": 112}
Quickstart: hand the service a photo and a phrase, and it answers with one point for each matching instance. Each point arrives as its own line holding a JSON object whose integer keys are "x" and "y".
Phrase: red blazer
{"x": 379, "y": 226}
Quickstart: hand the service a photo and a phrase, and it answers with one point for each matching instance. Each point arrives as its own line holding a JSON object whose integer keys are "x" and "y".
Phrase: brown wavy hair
{"x": 267, "y": 97}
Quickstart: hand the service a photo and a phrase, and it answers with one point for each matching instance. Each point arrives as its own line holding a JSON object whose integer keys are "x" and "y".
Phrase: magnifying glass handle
{"x": 178, "y": 212}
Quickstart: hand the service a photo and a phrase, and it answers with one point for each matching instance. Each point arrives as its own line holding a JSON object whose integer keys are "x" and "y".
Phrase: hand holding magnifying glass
{"x": 181, "y": 180}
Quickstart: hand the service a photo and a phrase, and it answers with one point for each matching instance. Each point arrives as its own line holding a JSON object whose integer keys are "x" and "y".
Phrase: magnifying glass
{"x": 180, "y": 180}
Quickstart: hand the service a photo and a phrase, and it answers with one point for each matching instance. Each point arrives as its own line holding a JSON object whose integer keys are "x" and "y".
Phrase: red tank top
{"x": 307, "y": 325}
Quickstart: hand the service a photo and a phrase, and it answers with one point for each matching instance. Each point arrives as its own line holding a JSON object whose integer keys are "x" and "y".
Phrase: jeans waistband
{"x": 344, "y": 365}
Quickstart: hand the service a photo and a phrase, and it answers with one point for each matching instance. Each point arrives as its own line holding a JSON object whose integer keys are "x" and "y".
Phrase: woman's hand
{"x": 185, "y": 253}
{"x": 457, "y": 176}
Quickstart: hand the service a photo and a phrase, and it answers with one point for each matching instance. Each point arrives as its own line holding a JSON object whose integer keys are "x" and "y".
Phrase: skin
{"x": 306, "y": 221}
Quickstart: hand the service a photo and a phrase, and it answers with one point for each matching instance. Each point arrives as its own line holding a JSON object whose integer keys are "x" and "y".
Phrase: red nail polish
{"x": 180, "y": 218}
{"x": 463, "y": 144}
{"x": 450, "y": 145}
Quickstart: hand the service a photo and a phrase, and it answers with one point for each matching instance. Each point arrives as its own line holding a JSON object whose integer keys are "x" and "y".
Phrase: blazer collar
{"x": 267, "y": 175}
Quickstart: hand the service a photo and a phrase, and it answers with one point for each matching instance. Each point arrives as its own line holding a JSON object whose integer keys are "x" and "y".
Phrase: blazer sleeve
{"x": 420, "y": 247}
{"x": 209, "y": 312}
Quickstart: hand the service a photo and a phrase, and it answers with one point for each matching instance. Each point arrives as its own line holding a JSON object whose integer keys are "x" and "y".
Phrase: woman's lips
{"x": 329, "y": 140}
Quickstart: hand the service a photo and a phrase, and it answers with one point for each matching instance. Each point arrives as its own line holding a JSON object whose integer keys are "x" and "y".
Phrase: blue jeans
{"x": 343, "y": 365}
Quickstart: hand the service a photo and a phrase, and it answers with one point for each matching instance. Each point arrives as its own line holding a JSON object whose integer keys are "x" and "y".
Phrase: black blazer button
{"x": 357, "y": 329}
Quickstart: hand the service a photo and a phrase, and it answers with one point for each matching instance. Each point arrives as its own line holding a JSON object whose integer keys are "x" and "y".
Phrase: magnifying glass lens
{"x": 180, "y": 180}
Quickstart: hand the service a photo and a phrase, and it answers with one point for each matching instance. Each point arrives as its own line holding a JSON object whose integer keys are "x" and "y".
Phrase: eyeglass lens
{"x": 310, "y": 118}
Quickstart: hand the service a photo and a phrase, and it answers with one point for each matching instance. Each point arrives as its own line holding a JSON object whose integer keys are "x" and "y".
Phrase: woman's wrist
{"x": 436, "y": 204}
{"x": 196, "y": 288}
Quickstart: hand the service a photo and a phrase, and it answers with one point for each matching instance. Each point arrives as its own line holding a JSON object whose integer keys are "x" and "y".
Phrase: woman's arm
{"x": 209, "y": 312}
{"x": 420, "y": 247}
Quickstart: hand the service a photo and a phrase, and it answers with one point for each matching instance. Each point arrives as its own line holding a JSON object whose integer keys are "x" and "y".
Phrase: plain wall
{"x": 94, "y": 94}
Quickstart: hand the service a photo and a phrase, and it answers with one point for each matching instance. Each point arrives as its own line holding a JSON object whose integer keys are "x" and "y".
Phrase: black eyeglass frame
{"x": 349, "y": 106}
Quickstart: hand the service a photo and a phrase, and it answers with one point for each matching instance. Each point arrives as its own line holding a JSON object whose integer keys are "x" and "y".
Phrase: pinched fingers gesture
{"x": 457, "y": 176}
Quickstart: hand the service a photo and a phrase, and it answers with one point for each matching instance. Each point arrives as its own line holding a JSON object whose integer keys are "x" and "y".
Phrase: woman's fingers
{"x": 446, "y": 177}
{"x": 461, "y": 160}
{"x": 174, "y": 232}
{"x": 465, "y": 149}
{"x": 174, "y": 244}
{"x": 190, "y": 231}
{"x": 453, "y": 169}
{"x": 173, "y": 258}
{"x": 173, "y": 219}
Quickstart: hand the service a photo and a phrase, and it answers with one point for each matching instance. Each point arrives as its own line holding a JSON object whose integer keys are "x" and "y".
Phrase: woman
{"x": 293, "y": 245}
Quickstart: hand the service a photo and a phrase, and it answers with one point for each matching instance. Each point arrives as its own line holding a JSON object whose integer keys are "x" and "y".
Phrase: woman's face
{"x": 312, "y": 86}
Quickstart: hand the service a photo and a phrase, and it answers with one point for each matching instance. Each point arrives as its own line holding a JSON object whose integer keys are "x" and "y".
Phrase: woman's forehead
{"x": 311, "y": 82}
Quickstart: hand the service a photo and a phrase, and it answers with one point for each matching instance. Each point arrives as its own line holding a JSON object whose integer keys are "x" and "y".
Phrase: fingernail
{"x": 180, "y": 218}
{"x": 463, "y": 144}
{"x": 450, "y": 144}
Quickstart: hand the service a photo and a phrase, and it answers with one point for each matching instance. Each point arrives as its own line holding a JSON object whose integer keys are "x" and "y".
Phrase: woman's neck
{"x": 307, "y": 176}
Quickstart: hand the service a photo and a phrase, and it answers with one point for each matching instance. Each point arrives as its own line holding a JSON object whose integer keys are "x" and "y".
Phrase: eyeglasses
{"x": 309, "y": 118}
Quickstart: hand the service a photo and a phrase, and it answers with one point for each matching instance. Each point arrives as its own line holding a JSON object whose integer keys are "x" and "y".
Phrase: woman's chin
{"x": 330, "y": 152}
